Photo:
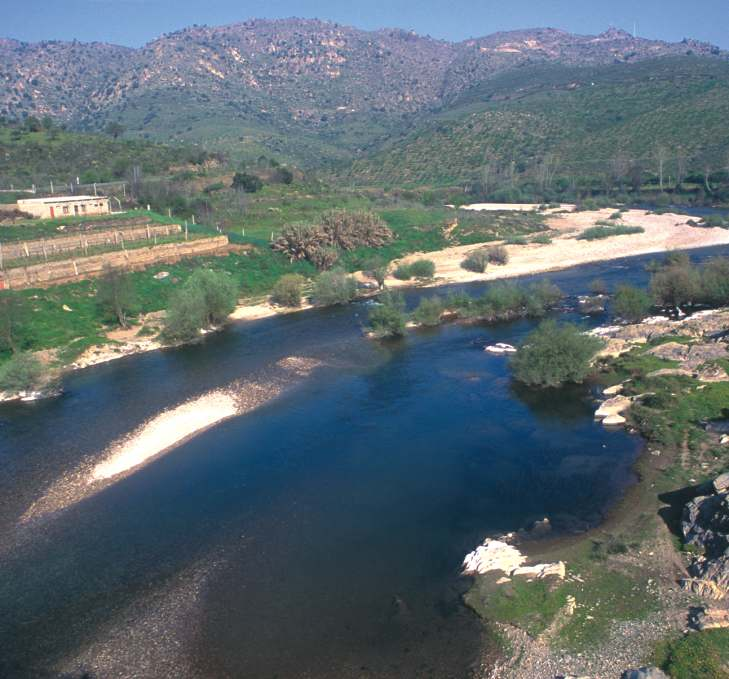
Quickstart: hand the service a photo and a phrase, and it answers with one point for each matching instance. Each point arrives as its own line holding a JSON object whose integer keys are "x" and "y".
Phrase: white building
{"x": 65, "y": 206}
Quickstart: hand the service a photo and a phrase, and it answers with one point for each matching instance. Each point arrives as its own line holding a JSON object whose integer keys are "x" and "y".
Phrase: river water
{"x": 320, "y": 535}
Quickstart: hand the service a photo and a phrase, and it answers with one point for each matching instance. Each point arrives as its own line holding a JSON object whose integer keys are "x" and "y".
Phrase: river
{"x": 318, "y": 536}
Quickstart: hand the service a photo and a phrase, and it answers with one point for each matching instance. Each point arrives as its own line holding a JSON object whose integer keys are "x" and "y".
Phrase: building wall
{"x": 79, "y": 208}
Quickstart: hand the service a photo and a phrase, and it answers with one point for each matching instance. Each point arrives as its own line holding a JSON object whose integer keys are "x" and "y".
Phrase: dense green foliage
{"x": 334, "y": 287}
{"x": 23, "y": 372}
{"x": 554, "y": 354}
{"x": 608, "y": 230}
{"x": 476, "y": 260}
{"x": 423, "y": 269}
{"x": 288, "y": 290}
{"x": 631, "y": 303}
{"x": 205, "y": 300}
{"x": 387, "y": 318}
{"x": 116, "y": 295}
{"x": 699, "y": 655}
{"x": 429, "y": 311}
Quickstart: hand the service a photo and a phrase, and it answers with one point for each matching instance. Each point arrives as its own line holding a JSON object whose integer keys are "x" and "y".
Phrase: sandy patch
{"x": 662, "y": 233}
{"x": 510, "y": 207}
{"x": 165, "y": 430}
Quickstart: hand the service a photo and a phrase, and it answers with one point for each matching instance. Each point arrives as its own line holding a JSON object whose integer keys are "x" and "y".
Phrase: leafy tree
{"x": 554, "y": 354}
{"x": 282, "y": 175}
{"x": 631, "y": 303}
{"x": 12, "y": 319}
{"x": 23, "y": 372}
{"x": 676, "y": 285}
{"x": 206, "y": 299}
{"x": 288, "y": 290}
{"x": 247, "y": 183}
{"x": 715, "y": 281}
{"x": 428, "y": 311}
{"x": 115, "y": 294}
{"x": 334, "y": 287}
{"x": 387, "y": 319}
{"x": 422, "y": 268}
{"x": 377, "y": 268}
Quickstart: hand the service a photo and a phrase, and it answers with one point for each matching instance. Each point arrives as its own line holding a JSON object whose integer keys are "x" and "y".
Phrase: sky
{"x": 135, "y": 22}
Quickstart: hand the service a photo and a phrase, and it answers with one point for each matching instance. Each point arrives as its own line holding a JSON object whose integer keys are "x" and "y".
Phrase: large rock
{"x": 493, "y": 555}
{"x": 645, "y": 673}
{"x": 709, "y": 618}
{"x": 613, "y": 406}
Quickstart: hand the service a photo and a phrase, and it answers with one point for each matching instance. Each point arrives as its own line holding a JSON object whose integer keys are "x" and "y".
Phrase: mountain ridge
{"x": 296, "y": 86}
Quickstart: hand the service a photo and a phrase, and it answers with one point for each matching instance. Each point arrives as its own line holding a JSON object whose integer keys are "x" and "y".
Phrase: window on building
{"x": 66, "y": 210}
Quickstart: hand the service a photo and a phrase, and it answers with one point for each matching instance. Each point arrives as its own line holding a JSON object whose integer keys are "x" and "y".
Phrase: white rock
{"x": 614, "y": 390}
{"x": 542, "y": 570}
{"x": 493, "y": 555}
{"x": 500, "y": 348}
{"x": 613, "y": 406}
{"x": 613, "y": 421}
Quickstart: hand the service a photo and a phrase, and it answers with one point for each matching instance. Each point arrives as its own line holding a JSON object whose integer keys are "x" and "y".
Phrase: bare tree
{"x": 661, "y": 157}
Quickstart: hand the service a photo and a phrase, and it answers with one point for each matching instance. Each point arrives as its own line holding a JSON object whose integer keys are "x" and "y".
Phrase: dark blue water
{"x": 331, "y": 522}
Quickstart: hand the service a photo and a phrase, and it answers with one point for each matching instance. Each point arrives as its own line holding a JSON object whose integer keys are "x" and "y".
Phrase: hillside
{"x": 304, "y": 89}
{"x": 36, "y": 154}
{"x": 554, "y": 125}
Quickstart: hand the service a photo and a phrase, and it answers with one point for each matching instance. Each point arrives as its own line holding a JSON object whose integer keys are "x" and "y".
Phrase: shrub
{"x": 115, "y": 294}
{"x": 498, "y": 254}
{"x": 288, "y": 290}
{"x": 631, "y": 303}
{"x": 422, "y": 268}
{"x": 334, "y": 287}
{"x": 23, "y": 372}
{"x": 542, "y": 296}
{"x": 205, "y": 299}
{"x": 516, "y": 240}
{"x": 599, "y": 232}
{"x": 403, "y": 272}
{"x": 542, "y": 239}
{"x": 387, "y": 319}
{"x": 428, "y": 311}
{"x": 554, "y": 354}
{"x": 715, "y": 281}
{"x": 477, "y": 260}
{"x": 676, "y": 285}
{"x": 598, "y": 287}
{"x": 248, "y": 183}
{"x": 377, "y": 268}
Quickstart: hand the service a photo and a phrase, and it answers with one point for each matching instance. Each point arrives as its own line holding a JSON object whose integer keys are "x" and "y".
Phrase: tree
{"x": 206, "y": 299}
{"x": 377, "y": 268}
{"x": 715, "y": 282}
{"x": 554, "y": 354}
{"x": 675, "y": 285}
{"x": 247, "y": 183}
{"x": 429, "y": 311}
{"x": 288, "y": 290}
{"x": 115, "y": 294}
{"x": 334, "y": 287}
{"x": 12, "y": 320}
{"x": 23, "y": 372}
{"x": 631, "y": 303}
{"x": 387, "y": 319}
{"x": 115, "y": 129}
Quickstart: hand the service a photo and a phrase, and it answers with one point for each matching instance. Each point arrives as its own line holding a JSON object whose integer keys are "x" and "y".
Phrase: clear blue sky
{"x": 134, "y": 22}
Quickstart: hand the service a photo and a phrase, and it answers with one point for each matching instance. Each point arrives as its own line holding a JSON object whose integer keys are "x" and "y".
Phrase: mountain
{"x": 306, "y": 89}
{"x": 573, "y": 123}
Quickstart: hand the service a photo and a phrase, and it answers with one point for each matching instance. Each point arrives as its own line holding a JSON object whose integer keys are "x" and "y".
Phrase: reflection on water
{"x": 331, "y": 522}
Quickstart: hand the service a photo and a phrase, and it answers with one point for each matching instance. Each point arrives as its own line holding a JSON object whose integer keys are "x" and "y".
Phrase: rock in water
{"x": 492, "y": 555}
{"x": 613, "y": 406}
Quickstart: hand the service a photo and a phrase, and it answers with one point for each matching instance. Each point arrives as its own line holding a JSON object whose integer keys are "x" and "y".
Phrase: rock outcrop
{"x": 497, "y": 555}
{"x": 705, "y": 527}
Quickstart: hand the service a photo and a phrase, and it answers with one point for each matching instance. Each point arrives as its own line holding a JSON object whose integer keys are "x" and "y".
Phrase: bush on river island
{"x": 554, "y": 354}
{"x": 388, "y": 318}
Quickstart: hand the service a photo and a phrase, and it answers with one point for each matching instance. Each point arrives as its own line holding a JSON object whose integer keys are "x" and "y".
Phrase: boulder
{"x": 500, "y": 348}
{"x": 614, "y": 390}
{"x": 613, "y": 406}
{"x": 645, "y": 673}
{"x": 542, "y": 570}
{"x": 614, "y": 421}
{"x": 492, "y": 555}
{"x": 709, "y": 618}
{"x": 721, "y": 483}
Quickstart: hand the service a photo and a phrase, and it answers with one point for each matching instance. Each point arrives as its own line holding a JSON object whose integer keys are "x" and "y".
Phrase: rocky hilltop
{"x": 286, "y": 72}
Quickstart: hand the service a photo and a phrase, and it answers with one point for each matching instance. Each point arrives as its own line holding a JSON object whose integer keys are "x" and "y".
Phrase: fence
{"x": 71, "y": 270}
{"x": 50, "y": 247}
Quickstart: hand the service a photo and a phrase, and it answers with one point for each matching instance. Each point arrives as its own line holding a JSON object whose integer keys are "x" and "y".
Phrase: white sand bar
{"x": 164, "y": 431}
